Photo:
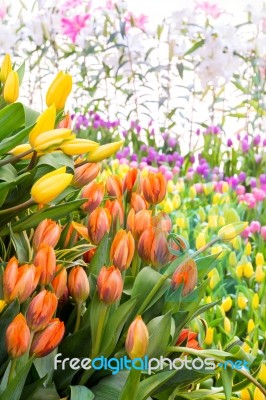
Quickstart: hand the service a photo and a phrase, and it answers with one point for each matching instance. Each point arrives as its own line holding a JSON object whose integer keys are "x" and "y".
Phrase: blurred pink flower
{"x": 2, "y": 12}
{"x": 209, "y": 8}
{"x": 137, "y": 22}
{"x": 72, "y": 26}
{"x": 254, "y": 226}
{"x": 69, "y": 4}
{"x": 263, "y": 232}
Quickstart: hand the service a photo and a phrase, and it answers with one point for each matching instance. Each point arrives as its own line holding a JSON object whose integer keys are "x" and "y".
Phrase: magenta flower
{"x": 72, "y": 26}
{"x": 209, "y": 9}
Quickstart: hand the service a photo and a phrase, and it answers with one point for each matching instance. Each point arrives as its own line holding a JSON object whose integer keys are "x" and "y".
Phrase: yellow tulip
{"x": 221, "y": 221}
{"x": 237, "y": 243}
{"x": 78, "y": 146}
{"x": 207, "y": 188}
{"x": 239, "y": 270}
{"x": 259, "y": 259}
{"x": 251, "y": 325}
{"x": 104, "y": 151}
{"x": 167, "y": 206}
{"x": 45, "y": 122}
{"x": 242, "y": 301}
{"x": 232, "y": 259}
{"x": 170, "y": 186}
{"x": 209, "y": 336}
{"x": 248, "y": 270}
{"x": 2, "y": 305}
{"x": 215, "y": 278}
{"x": 227, "y": 325}
{"x": 11, "y": 88}
{"x": 52, "y": 139}
{"x": 244, "y": 395}
{"x": 228, "y": 232}
{"x": 216, "y": 198}
{"x": 59, "y": 90}
{"x": 6, "y": 68}
{"x": 200, "y": 241}
{"x": 225, "y": 187}
{"x": 262, "y": 374}
{"x": 21, "y": 148}
{"x": 212, "y": 221}
{"x": 50, "y": 186}
{"x": 217, "y": 249}
{"x": 248, "y": 249}
{"x": 192, "y": 192}
{"x": 202, "y": 214}
{"x": 176, "y": 202}
{"x": 227, "y": 304}
{"x": 259, "y": 274}
{"x": 181, "y": 222}
{"x": 258, "y": 395}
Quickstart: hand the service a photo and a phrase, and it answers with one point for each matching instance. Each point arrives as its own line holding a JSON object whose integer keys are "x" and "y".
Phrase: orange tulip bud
{"x": 186, "y": 274}
{"x": 110, "y": 284}
{"x": 17, "y": 337}
{"x": 47, "y": 232}
{"x": 94, "y": 192}
{"x": 46, "y": 341}
{"x": 137, "y": 202}
{"x": 122, "y": 250}
{"x": 114, "y": 186}
{"x": 188, "y": 338}
{"x": 99, "y": 223}
{"x": 71, "y": 235}
{"x": 66, "y": 122}
{"x": 162, "y": 221}
{"x": 137, "y": 339}
{"x": 59, "y": 282}
{"x": 88, "y": 256}
{"x": 78, "y": 284}
{"x": 46, "y": 260}
{"x": 154, "y": 188}
{"x": 130, "y": 181}
{"x": 153, "y": 247}
{"x": 41, "y": 310}
{"x": 85, "y": 174}
{"x": 138, "y": 222}
{"x": 18, "y": 281}
{"x": 116, "y": 210}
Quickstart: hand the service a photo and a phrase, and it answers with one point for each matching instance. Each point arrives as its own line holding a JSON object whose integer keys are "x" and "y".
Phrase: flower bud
{"x": 242, "y": 301}
{"x": 47, "y": 340}
{"x": 251, "y": 326}
{"x": 114, "y": 186}
{"x": 244, "y": 394}
{"x": 2, "y": 305}
{"x": 255, "y": 301}
{"x": 85, "y": 174}
{"x": 110, "y": 285}
{"x": 59, "y": 90}
{"x": 88, "y": 256}
{"x": 116, "y": 211}
{"x": 11, "y": 88}
{"x": 230, "y": 231}
{"x": 137, "y": 339}
{"x": 227, "y": 325}
{"x": 137, "y": 202}
{"x": 45, "y": 122}
{"x": 78, "y": 146}
{"x": 78, "y": 284}
{"x": 94, "y": 193}
{"x": 59, "y": 283}
{"x": 200, "y": 241}
{"x": 137, "y": 223}
{"x": 259, "y": 259}
{"x": 17, "y": 337}
{"x": 162, "y": 221}
{"x": 248, "y": 270}
{"x": 248, "y": 249}
{"x": 186, "y": 274}
{"x": 47, "y": 232}
{"x": 19, "y": 282}
{"x": 258, "y": 395}
{"x": 232, "y": 259}
{"x": 51, "y": 140}
{"x": 45, "y": 259}
{"x": 81, "y": 229}
{"x": 227, "y": 304}
{"x": 209, "y": 336}
{"x": 6, "y": 68}
{"x": 154, "y": 188}
{"x": 65, "y": 122}
{"x": 189, "y": 339}
{"x": 41, "y": 310}
{"x": 104, "y": 151}
{"x": 259, "y": 274}
{"x": 262, "y": 374}
{"x": 122, "y": 250}
{"x": 129, "y": 182}
{"x": 99, "y": 223}
{"x": 153, "y": 247}
{"x": 50, "y": 186}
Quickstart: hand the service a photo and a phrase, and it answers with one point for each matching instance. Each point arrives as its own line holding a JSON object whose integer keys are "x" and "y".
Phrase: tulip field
{"x": 132, "y": 200}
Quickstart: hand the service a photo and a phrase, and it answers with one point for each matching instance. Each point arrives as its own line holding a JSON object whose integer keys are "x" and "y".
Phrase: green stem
{"x": 19, "y": 207}
{"x": 129, "y": 391}
{"x": 15, "y": 159}
{"x": 79, "y": 308}
{"x": 135, "y": 265}
{"x": 12, "y": 371}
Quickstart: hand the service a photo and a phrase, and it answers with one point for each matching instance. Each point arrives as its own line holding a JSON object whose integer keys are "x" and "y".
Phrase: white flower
{"x": 7, "y": 38}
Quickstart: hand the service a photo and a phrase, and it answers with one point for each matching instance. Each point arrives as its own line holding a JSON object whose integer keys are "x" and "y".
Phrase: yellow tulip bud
{"x": 215, "y": 278}
{"x": 192, "y": 192}
{"x": 200, "y": 241}
{"x": 248, "y": 270}
{"x": 202, "y": 214}
{"x": 227, "y": 304}
{"x": 2, "y": 305}
{"x": 52, "y": 139}
{"x": 45, "y": 122}
{"x": 231, "y": 215}
{"x": 258, "y": 395}
{"x": 6, "y": 68}
{"x": 221, "y": 221}
{"x": 170, "y": 186}
{"x": 176, "y": 201}
{"x": 232, "y": 259}
{"x": 78, "y": 146}
{"x": 105, "y": 151}
{"x": 228, "y": 232}
{"x": 259, "y": 259}
{"x": 262, "y": 374}
{"x": 50, "y": 186}
{"x": 246, "y": 347}
{"x": 237, "y": 243}
{"x": 248, "y": 248}
{"x": 181, "y": 222}
{"x": 255, "y": 301}
{"x": 209, "y": 336}
{"x": 242, "y": 301}
{"x": 59, "y": 90}
{"x": 11, "y": 88}
{"x": 21, "y": 148}
{"x": 216, "y": 198}
{"x": 212, "y": 221}
{"x": 217, "y": 249}
{"x": 208, "y": 299}
{"x": 251, "y": 325}
{"x": 239, "y": 270}
{"x": 225, "y": 187}
{"x": 227, "y": 325}
{"x": 167, "y": 206}
{"x": 244, "y": 395}
{"x": 259, "y": 274}
{"x": 207, "y": 188}
{"x": 180, "y": 186}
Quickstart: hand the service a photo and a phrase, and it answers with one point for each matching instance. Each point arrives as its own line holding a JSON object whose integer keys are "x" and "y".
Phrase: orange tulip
{"x": 17, "y": 337}
{"x": 186, "y": 274}
{"x": 153, "y": 247}
{"x": 78, "y": 284}
{"x": 94, "y": 193}
{"x": 110, "y": 284}
{"x": 18, "y": 281}
{"x": 154, "y": 188}
{"x": 188, "y": 338}
{"x": 162, "y": 221}
{"x": 65, "y": 122}
{"x": 122, "y": 250}
{"x": 114, "y": 186}
{"x": 59, "y": 282}
{"x": 70, "y": 234}
{"x": 137, "y": 339}
{"x": 85, "y": 174}
{"x": 130, "y": 180}
{"x": 99, "y": 223}
{"x": 47, "y": 232}
{"x": 138, "y": 222}
{"x": 137, "y": 202}
{"x": 46, "y": 341}
{"x": 45, "y": 259}
{"x": 116, "y": 210}
{"x": 88, "y": 256}
{"x": 41, "y": 310}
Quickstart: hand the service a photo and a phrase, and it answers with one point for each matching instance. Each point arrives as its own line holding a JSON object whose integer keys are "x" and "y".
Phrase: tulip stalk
{"x": 12, "y": 371}
{"x": 78, "y": 319}
{"x": 19, "y": 207}
{"x": 15, "y": 159}
{"x": 129, "y": 391}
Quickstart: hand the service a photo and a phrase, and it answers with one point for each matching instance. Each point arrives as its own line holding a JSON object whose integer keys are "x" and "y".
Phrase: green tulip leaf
{"x": 12, "y": 117}
{"x": 81, "y": 392}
